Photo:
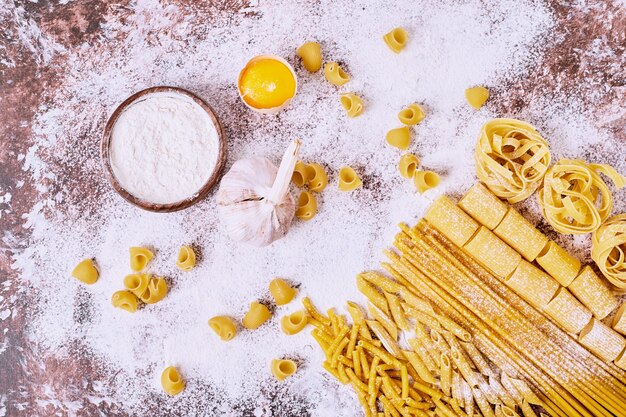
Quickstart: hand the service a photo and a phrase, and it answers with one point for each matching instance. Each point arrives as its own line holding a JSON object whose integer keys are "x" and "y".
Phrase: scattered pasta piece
{"x": 396, "y": 39}
{"x": 301, "y": 174}
{"x": 125, "y": 300}
{"x": 511, "y": 158}
{"x": 155, "y": 292}
{"x": 307, "y": 206}
{"x": 425, "y": 180}
{"x": 294, "y": 322}
{"x": 282, "y": 368}
{"x": 408, "y": 165}
{"x": 411, "y": 115}
{"x": 256, "y": 316}
{"x": 608, "y": 247}
{"x": 603, "y": 341}
{"x": 139, "y": 258}
{"x": 282, "y": 292}
{"x": 335, "y": 75}
{"x": 172, "y": 381}
{"x": 318, "y": 180}
{"x": 477, "y": 96}
{"x": 224, "y": 327}
{"x": 399, "y": 137}
{"x": 574, "y": 198}
{"x": 352, "y": 104}
{"x": 311, "y": 55}
{"x": 137, "y": 283}
{"x": 186, "y": 258}
{"x": 86, "y": 271}
{"x": 348, "y": 179}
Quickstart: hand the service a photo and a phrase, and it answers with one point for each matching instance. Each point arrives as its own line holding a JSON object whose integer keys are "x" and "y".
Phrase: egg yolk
{"x": 267, "y": 83}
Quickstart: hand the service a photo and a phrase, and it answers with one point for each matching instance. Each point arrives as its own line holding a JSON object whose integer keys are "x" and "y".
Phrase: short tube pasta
{"x": 307, "y": 206}
{"x": 186, "y": 258}
{"x": 620, "y": 361}
{"x": 125, "y": 300}
{"x": 335, "y": 74}
{"x": 619, "y": 321}
{"x": 155, "y": 292}
{"x": 301, "y": 174}
{"x": 451, "y": 221}
{"x": 283, "y": 368}
{"x": 86, "y": 271}
{"x": 311, "y": 55}
{"x": 493, "y": 253}
{"x": 593, "y": 293}
{"x": 352, "y": 104}
{"x": 521, "y": 235}
{"x": 568, "y": 312}
{"x": 396, "y": 39}
{"x": 411, "y": 115}
{"x": 399, "y": 137}
{"x": 484, "y": 206}
{"x": 408, "y": 165}
{"x": 425, "y": 180}
{"x": 256, "y": 316}
{"x": 294, "y": 323}
{"x": 557, "y": 262}
{"x": 601, "y": 340}
{"x": 608, "y": 245}
{"x": 137, "y": 283}
{"x": 349, "y": 179}
{"x": 282, "y": 292}
{"x": 172, "y": 381}
{"x": 139, "y": 258}
{"x": 532, "y": 284}
{"x": 318, "y": 180}
{"x": 224, "y": 327}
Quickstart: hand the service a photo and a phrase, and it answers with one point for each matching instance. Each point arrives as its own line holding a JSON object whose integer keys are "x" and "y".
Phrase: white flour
{"x": 163, "y": 148}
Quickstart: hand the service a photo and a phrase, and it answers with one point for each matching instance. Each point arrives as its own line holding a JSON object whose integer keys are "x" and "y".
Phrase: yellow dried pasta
{"x": 477, "y": 96}
{"x": 568, "y": 312}
{"x": 451, "y": 221}
{"x": 484, "y": 206}
{"x": 557, "y": 262}
{"x": 155, "y": 292}
{"x": 256, "y": 316}
{"x": 335, "y": 74}
{"x": 307, "y": 206}
{"x": 574, "y": 198}
{"x": 294, "y": 323}
{"x": 425, "y": 180}
{"x": 186, "y": 258}
{"x": 172, "y": 381}
{"x": 282, "y": 292}
{"x": 311, "y": 55}
{"x": 411, "y": 114}
{"x": 511, "y": 158}
{"x": 317, "y": 178}
{"x": 493, "y": 253}
{"x": 399, "y": 137}
{"x": 224, "y": 327}
{"x": 593, "y": 293}
{"x": 603, "y": 341}
{"x": 521, "y": 235}
{"x": 301, "y": 174}
{"x": 125, "y": 300}
{"x": 352, "y": 104}
{"x": 619, "y": 321}
{"x": 408, "y": 165}
{"x": 139, "y": 257}
{"x": 283, "y": 368}
{"x": 137, "y": 283}
{"x": 349, "y": 179}
{"x": 396, "y": 39}
{"x": 608, "y": 247}
{"x": 86, "y": 271}
{"x": 532, "y": 284}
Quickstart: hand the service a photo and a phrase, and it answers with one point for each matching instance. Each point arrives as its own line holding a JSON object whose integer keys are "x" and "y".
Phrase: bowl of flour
{"x": 163, "y": 149}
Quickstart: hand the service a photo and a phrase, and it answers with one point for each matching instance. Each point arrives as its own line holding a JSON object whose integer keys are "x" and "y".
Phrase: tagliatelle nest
{"x": 607, "y": 250}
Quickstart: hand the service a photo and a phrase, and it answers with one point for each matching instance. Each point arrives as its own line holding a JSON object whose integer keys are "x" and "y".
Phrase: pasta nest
{"x": 574, "y": 198}
{"x": 511, "y": 158}
{"x": 608, "y": 245}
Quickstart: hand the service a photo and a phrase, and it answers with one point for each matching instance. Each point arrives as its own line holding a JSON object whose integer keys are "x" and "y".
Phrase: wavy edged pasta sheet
{"x": 311, "y": 55}
{"x": 283, "y": 368}
{"x": 256, "y": 316}
{"x": 411, "y": 114}
{"x": 224, "y": 327}
{"x": 294, "y": 322}
{"x": 608, "y": 247}
{"x": 352, "y": 104}
{"x": 348, "y": 179}
{"x": 574, "y": 198}
{"x": 281, "y": 291}
{"x": 137, "y": 283}
{"x": 307, "y": 206}
{"x": 155, "y": 292}
{"x": 511, "y": 158}
{"x": 125, "y": 300}
{"x": 396, "y": 39}
{"x": 399, "y": 137}
{"x": 425, "y": 180}
{"x": 186, "y": 259}
{"x": 335, "y": 74}
{"x": 86, "y": 271}
{"x": 139, "y": 258}
{"x": 317, "y": 177}
{"x": 171, "y": 381}
{"x": 477, "y": 96}
{"x": 408, "y": 165}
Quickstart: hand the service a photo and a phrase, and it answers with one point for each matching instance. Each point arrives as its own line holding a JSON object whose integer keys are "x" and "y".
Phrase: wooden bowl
{"x": 169, "y": 207}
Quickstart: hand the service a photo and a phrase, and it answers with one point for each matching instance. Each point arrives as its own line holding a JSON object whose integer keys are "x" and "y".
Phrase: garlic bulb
{"x": 254, "y": 202}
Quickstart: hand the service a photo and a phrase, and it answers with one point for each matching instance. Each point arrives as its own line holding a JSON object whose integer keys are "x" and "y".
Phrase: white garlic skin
{"x": 243, "y": 206}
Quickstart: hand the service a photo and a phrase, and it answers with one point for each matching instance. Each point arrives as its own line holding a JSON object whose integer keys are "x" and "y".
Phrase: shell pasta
{"x": 317, "y": 178}
{"x": 86, "y": 272}
{"x": 294, "y": 322}
{"x": 137, "y": 283}
{"x": 411, "y": 115}
{"x": 608, "y": 245}
{"x": 335, "y": 74}
{"x": 172, "y": 381}
{"x": 283, "y": 368}
{"x": 256, "y": 316}
{"x": 224, "y": 327}
{"x": 139, "y": 258}
{"x": 408, "y": 164}
{"x": 311, "y": 55}
{"x": 348, "y": 179}
{"x": 155, "y": 291}
{"x": 477, "y": 96}
{"x": 301, "y": 174}
{"x": 282, "y": 292}
{"x": 396, "y": 39}
{"x": 125, "y": 300}
{"x": 186, "y": 258}
{"x": 425, "y": 180}
{"x": 307, "y": 206}
{"x": 352, "y": 104}
{"x": 399, "y": 138}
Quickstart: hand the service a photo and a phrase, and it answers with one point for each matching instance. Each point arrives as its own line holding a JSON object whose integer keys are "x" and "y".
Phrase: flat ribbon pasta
{"x": 511, "y": 158}
{"x": 608, "y": 245}
{"x": 574, "y": 198}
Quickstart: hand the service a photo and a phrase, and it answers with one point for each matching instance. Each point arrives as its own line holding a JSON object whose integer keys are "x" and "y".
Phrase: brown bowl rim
{"x": 147, "y": 205}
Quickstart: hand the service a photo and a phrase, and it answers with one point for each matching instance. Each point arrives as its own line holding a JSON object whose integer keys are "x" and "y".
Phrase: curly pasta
{"x": 186, "y": 258}
{"x": 574, "y": 198}
{"x": 608, "y": 245}
{"x": 511, "y": 158}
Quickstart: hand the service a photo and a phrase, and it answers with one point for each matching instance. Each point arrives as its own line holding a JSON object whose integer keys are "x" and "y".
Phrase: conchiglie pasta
{"x": 399, "y": 137}
{"x": 224, "y": 327}
{"x": 352, "y": 104}
{"x": 408, "y": 165}
{"x": 172, "y": 381}
{"x": 318, "y": 180}
{"x": 294, "y": 322}
{"x": 137, "y": 283}
{"x": 425, "y": 180}
{"x": 155, "y": 292}
{"x": 411, "y": 115}
{"x": 307, "y": 206}
{"x": 396, "y": 39}
{"x": 282, "y": 368}
{"x": 335, "y": 75}
{"x": 256, "y": 316}
{"x": 311, "y": 55}
{"x": 282, "y": 292}
{"x": 125, "y": 300}
{"x": 477, "y": 96}
{"x": 301, "y": 174}
{"x": 348, "y": 179}
{"x": 186, "y": 258}
{"x": 86, "y": 272}
{"x": 139, "y": 257}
